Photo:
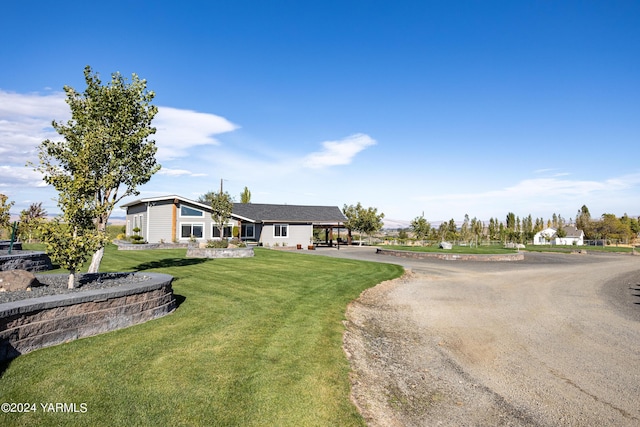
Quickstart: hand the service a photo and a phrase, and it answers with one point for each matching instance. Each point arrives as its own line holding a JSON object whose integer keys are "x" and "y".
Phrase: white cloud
{"x": 339, "y": 152}
{"x": 12, "y": 176}
{"x": 178, "y": 172}
{"x": 25, "y": 121}
{"x": 539, "y": 197}
{"x": 179, "y": 130}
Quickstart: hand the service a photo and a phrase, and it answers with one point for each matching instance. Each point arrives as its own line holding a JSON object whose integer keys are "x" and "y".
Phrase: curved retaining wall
{"x": 25, "y": 260}
{"x": 35, "y": 323}
{"x": 219, "y": 252}
{"x": 452, "y": 257}
{"x": 6, "y": 244}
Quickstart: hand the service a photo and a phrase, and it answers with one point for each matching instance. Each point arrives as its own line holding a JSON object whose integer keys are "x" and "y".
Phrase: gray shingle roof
{"x": 288, "y": 213}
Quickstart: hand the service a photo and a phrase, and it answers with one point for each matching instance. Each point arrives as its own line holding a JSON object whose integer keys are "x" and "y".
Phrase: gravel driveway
{"x": 553, "y": 340}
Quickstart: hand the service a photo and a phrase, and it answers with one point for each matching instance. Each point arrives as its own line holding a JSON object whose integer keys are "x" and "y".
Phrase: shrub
{"x": 217, "y": 244}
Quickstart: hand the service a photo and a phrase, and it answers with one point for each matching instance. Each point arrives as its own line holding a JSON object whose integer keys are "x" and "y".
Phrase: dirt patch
{"x": 526, "y": 345}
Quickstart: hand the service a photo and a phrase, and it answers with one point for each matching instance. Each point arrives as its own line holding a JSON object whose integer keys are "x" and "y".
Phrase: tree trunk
{"x": 72, "y": 279}
{"x": 96, "y": 260}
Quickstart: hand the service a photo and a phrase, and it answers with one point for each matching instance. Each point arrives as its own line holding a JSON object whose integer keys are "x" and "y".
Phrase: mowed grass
{"x": 254, "y": 342}
{"x": 493, "y": 249}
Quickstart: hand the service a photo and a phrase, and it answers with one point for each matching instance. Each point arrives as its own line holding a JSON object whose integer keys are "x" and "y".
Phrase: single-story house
{"x": 178, "y": 219}
{"x": 549, "y": 236}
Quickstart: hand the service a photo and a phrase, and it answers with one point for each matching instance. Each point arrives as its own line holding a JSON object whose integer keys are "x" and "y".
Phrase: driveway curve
{"x": 553, "y": 340}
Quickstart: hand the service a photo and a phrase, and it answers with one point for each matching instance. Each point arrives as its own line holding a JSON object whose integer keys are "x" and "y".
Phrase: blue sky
{"x": 447, "y": 108}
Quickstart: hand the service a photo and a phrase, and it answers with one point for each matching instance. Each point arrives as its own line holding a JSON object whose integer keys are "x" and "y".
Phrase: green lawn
{"x": 571, "y": 248}
{"x": 498, "y": 249}
{"x": 254, "y": 342}
{"x": 494, "y": 249}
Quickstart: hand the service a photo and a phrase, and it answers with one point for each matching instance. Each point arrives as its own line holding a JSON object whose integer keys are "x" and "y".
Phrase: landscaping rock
{"x": 446, "y": 245}
{"x": 17, "y": 280}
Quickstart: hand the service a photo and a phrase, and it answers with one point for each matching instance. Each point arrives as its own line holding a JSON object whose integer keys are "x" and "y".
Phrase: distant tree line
{"x": 521, "y": 230}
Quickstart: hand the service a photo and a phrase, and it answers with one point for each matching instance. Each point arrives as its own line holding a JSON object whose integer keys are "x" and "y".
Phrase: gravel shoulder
{"x": 553, "y": 340}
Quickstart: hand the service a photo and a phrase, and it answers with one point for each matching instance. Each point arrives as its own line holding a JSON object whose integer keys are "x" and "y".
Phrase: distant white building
{"x": 549, "y": 236}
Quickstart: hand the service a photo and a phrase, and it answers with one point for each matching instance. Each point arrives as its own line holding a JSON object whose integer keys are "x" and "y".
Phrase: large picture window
{"x": 188, "y": 230}
{"x": 280, "y": 230}
{"x": 188, "y": 211}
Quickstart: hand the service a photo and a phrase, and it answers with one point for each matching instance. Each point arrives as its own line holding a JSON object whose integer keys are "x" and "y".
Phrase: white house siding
{"x": 298, "y": 234}
{"x": 137, "y": 217}
{"x": 159, "y": 221}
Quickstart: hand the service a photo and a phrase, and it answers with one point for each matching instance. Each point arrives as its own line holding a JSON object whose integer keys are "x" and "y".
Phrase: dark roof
{"x": 572, "y": 231}
{"x": 289, "y": 213}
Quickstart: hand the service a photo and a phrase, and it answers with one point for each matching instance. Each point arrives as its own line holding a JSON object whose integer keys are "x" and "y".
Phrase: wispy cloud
{"x": 20, "y": 176}
{"x": 25, "y": 121}
{"x": 542, "y": 195}
{"x": 339, "y": 152}
{"x": 179, "y": 172}
{"x": 179, "y": 130}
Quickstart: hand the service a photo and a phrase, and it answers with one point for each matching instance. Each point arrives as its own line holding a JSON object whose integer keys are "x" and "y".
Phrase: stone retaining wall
{"x": 35, "y": 323}
{"x": 219, "y": 252}
{"x": 6, "y": 244}
{"x": 124, "y": 245}
{"x": 25, "y": 260}
{"x": 452, "y": 257}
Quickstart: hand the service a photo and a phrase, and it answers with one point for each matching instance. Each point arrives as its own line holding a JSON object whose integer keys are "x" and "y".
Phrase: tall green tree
{"x": 5, "y": 212}
{"x": 477, "y": 228}
{"x": 352, "y": 222}
{"x": 420, "y": 227}
{"x": 105, "y": 153}
{"x": 30, "y": 220}
{"x": 371, "y": 221}
{"x": 245, "y": 196}
{"x": 363, "y": 220}
{"x": 70, "y": 243}
{"x": 221, "y": 206}
{"x": 465, "y": 229}
{"x": 207, "y": 197}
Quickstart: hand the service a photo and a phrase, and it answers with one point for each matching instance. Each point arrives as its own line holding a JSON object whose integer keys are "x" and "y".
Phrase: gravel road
{"x": 553, "y": 340}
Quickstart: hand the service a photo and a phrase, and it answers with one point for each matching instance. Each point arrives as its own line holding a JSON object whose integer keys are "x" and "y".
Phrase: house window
{"x": 216, "y": 231}
{"x": 188, "y": 230}
{"x": 280, "y": 230}
{"x": 248, "y": 231}
{"x": 187, "y": 211}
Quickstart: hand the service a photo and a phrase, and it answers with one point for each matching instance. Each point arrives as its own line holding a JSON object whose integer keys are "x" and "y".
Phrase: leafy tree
{"x": 493, "y": 229}
{"x": 561, "y": 232}
{"x": 352, "y": 222}
{"x": 105, "y": 154}
{"x": 245, "y": 196}
{"x": 221, "y": 206}
{"x": 70, "y": 245}
{"x": 477, "y": 229}
{"x": 452, "y": 230}
{"x": 511, "y": 221}
{"x": 442, "y": 230}
{"x": 465, "y": 229}
{"x": 207, "y": 197}
{"x": 30, "y": 220}
{"x": 420, "y": 227}
{"x": 583, "y": 220}
{"x": 5, "y": 214}
{"x": 370, "y": 221}
{"x": 367, "y": 221}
